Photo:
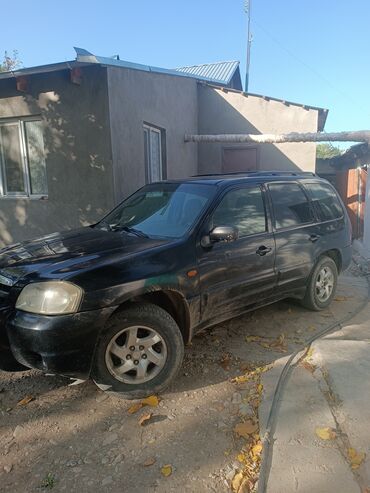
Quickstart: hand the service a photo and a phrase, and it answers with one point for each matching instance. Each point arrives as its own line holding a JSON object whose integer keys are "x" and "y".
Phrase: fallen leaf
{"x": 241, "y": 457}
{"x": 252, "y": 338}
{"x": 166, "y": 470}
{"x": 26, "y": 400}
{"x": 326, "y": 433}
{"x": 257, "y": 449}
{"x": 149, "y": 462}
{"x": 340, "y": 298}
{"x": 309, "y": 353}
{"x": 245, "y": 429}
{"x": 237, "y": 481}
{"x": 225, "y": 361}
{"x": 356, "y": 458}
{"x": 152, "y": 401}
{"x": 308, "y": 366}
{"x": 135, "y": 408}
{"x": 260, "y": 388}
{"x": 144, "y": 418}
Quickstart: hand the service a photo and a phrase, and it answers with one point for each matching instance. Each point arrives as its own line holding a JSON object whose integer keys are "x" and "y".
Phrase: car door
{"x": 234, "y": 275}
{"x": 296, "y": 235}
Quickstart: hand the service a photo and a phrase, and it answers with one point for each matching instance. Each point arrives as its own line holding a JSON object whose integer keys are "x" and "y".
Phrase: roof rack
{"x": 262, "y": 173}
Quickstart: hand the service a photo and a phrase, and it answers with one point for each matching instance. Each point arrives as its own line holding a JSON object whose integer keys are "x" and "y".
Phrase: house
{"x": 77, "y": 137}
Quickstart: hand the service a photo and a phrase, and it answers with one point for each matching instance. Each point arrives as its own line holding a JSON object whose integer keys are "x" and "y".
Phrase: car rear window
{"x": 291, "y": 206}
{"x": 325, "y": 200}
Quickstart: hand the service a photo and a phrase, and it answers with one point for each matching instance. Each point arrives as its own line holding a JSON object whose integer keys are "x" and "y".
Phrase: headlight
{"x": 50, "y": 298}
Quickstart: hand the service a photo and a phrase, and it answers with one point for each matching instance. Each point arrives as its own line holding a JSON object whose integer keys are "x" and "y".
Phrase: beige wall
{"x": 165, "y": 101}
{"x": 78, "y": 153}
{"x": 223, "y": 112}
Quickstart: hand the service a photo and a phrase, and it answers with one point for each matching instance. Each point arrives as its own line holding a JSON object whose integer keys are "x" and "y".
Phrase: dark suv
{"x": 117, "y": 301}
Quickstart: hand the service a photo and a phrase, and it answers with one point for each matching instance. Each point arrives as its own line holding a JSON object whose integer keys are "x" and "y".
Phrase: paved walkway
{"x": 327, "y": 394}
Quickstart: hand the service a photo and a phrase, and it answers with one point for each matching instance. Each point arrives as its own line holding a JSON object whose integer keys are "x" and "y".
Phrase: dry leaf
{"x": 260, "y": 388}
{"x": 237, "y": 481}
{"x": 152, "y": 401}
{"x": 149, "y": 461}
{"x": 308, "y": 366}
{"x": 252, "y": 338}
{"x": 356, "y": 458}
{"x": 257, "y": 449}
{"x": 144, "y": 418}
{"x": 166, "y": 470}
{"x": 26, "y": 400}
{"x": 340, "y": 298}
{"x": 326, "y": 433}
{"x": 225, "y": 361}
{"x": 245, "y": 429}
{"x": 135, "y": 408}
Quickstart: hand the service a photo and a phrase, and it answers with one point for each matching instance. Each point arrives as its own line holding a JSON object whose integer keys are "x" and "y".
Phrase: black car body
{"x": 209, "y": 274}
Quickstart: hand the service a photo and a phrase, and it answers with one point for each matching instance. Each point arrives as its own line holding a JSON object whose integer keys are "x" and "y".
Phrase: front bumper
{"x": 56, "y": 344}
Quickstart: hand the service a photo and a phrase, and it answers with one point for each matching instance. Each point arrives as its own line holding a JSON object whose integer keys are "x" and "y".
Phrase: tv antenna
{"x": 247, "y": 10}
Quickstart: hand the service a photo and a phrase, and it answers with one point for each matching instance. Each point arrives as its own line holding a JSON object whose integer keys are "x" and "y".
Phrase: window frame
{"x": 4, "y": 193}
{"x": 266, "y": 205}
{"x": 305, "y": 193}
{"x": 147, "y": 156}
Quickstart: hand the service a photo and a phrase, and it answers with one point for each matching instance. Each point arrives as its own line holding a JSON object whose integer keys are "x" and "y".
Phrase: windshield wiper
{"x": 128, "y": 229}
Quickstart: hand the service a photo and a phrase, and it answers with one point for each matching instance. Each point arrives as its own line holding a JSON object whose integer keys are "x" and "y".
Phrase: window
{"x": 154, "y": 143}
{"x": 291, "y": 207}
{"x": 242, "y": 208}
{"x": 325, "y": 201}
{"x": 22, "y": 158}
{"x": 161, "y": 210}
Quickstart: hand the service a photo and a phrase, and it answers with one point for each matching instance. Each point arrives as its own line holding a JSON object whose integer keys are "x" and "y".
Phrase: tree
{"x": 327, "y": 151}
{"x": 10, "y": 62}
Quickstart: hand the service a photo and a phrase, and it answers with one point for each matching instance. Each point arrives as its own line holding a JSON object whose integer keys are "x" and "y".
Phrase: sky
{"x": 314, "y": 52}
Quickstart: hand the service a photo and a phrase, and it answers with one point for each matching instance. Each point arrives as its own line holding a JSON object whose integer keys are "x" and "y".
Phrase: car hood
{"x": 70, "y": 251}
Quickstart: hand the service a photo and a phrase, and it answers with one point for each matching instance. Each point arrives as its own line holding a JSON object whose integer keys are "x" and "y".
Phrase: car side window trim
{"x": 298, "y": 226}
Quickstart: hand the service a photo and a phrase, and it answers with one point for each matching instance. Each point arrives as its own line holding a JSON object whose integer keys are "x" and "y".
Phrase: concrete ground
{"x": 321, "y": 441}
{"x": 205, "y": 433}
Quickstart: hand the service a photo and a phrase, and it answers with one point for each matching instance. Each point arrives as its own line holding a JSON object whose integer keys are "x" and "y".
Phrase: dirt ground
{"x": 76, "y": 438}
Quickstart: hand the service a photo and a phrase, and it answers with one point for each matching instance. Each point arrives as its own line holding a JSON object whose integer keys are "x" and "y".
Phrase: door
{"x": 296, "y": 235}
{"x": 239, "y": 159}
{"x": 236, "y": 274}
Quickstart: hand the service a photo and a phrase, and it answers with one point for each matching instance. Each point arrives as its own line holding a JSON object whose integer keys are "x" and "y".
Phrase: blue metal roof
{"x": 218, "y": 73}
{"x": 221, "y": 72}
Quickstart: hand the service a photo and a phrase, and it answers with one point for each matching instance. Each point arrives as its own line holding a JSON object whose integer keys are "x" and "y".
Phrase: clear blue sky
{"x": 310, "y": 51}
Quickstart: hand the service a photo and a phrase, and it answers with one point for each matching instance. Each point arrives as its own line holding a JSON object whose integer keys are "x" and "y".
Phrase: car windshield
{"x": 160, "y": 210}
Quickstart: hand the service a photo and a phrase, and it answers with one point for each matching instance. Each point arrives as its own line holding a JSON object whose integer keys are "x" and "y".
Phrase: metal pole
{"x": 247, "y": 8}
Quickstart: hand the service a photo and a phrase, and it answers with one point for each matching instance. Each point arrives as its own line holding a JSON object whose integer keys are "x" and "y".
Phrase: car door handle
{"x": 314, "y": 238}
{"x": 262, "y": 250}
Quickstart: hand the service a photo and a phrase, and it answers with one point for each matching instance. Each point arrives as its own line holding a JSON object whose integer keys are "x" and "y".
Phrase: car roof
{"x": 247, "y": 177}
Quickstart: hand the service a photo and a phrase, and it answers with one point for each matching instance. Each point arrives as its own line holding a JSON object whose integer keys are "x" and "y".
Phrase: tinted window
{"x": 244, "y": 209}
{"x": 291, "y": 206}
{"x": 325, "y": 201}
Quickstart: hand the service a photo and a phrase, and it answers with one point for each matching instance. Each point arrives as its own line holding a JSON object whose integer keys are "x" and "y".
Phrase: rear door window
{"x": 290, "y": 204}
{"x": 325, "y": 201}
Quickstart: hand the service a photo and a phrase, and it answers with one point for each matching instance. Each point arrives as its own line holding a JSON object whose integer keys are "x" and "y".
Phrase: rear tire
{"x": 322, "y": 285}
{"x": 139, "y": 353}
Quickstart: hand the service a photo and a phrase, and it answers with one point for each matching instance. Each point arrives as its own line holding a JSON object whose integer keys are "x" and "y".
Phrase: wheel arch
{"x": 172, "y": 301}
{"x": 335, "y": 255}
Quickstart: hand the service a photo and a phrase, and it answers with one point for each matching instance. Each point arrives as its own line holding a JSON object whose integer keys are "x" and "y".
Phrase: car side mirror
{"x": 223, "y": 233}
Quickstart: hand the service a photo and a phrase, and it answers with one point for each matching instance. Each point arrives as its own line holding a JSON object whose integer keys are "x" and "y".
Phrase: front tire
{"x": 322, "y": 285}
{"x": 139, "y": 353}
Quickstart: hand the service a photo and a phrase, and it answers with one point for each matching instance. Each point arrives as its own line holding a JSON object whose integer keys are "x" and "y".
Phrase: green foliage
{"x": 48, "y": 482}
{"x": 327, "y": 151}
{"x": 10, "y": 62}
